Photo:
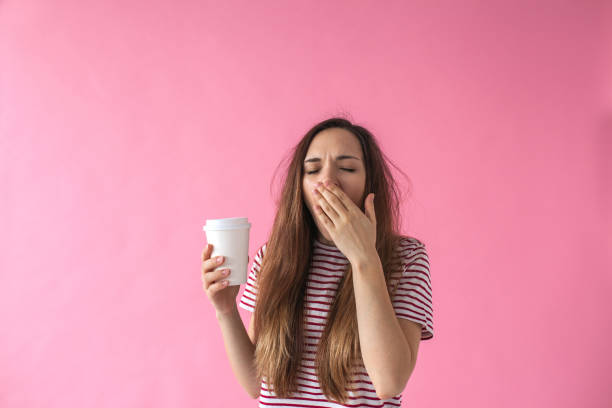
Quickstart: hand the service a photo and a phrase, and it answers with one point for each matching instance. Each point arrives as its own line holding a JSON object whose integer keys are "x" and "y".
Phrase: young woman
{"x": 341, "y": 300}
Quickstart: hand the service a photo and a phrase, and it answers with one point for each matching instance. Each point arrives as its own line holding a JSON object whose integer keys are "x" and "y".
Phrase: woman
{"x": 340, "y": 299}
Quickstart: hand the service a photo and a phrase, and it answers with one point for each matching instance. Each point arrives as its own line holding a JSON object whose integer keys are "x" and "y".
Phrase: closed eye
{"x": 314, "y": 171}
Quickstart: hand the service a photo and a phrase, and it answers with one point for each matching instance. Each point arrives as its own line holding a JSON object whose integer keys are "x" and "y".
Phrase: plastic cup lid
{"x": 227, "y": 224}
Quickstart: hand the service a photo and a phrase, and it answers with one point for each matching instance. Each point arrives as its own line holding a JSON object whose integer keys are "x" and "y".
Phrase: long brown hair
{"x": 279, "y": 312}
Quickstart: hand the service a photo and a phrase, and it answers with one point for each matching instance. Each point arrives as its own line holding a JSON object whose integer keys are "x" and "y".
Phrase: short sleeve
{"x": 248, "y": 298}
{"x": 412, "y": 299}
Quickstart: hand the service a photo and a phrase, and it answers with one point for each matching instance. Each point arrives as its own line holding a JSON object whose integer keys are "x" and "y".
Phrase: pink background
{"x": 124, "y": 125}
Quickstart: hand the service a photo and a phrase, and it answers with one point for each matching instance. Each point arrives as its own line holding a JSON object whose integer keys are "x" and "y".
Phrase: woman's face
{"x": 326, "y": 160}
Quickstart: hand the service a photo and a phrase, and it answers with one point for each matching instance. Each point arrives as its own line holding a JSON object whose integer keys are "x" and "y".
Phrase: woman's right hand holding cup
{"x": 222, "y": 296}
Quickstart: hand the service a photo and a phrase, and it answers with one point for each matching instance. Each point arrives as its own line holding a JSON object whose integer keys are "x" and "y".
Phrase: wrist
{"x": 366, "y": 261}
{"x": 227, "y": 314}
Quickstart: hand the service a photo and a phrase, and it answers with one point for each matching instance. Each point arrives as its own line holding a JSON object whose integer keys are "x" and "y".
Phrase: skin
{"x": 327, "y": 145}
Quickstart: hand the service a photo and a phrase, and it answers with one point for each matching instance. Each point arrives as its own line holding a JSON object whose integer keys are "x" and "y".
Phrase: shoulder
{"x": 407, "y": 240}
{"x": 261, "y": 250}
{"x": 411, "y": 250}
{"x": 407, "y": 244}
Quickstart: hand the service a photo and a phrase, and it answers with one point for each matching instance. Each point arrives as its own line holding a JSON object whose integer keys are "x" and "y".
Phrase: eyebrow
{"x": 341, "y": 157}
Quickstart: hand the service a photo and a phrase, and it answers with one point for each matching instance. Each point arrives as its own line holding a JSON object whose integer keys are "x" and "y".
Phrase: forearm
{"x": 385, "y": 351}
{"x": 240, "y": 351}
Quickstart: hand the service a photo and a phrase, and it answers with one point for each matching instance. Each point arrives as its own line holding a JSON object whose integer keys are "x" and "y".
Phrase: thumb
{"x": 369, "y": 207}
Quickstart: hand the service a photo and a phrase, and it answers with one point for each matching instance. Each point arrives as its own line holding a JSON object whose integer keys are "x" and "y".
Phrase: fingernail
{"x": 225, "y": 271}
{"x": 219, "y": 259}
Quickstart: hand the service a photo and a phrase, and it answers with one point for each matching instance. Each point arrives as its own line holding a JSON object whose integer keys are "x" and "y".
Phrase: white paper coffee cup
{"x": 230, "y": 239}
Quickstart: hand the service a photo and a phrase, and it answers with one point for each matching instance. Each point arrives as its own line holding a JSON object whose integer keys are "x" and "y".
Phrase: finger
{"x": 341, "y": 197}
{"x": 334, "y": 202}
{"x": 211, "y": 277}
{"x": 207, "y": 251}
{"x": 322, "y": 200}
{"x": 371, "y": 209}
{"x": 212, "y": 263}
{"x": 217, "y": 286}
{"x": 322, "y": 216}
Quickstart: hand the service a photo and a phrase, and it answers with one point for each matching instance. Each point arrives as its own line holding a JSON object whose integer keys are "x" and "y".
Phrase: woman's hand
{"x": 353, "y": 232}
{"x": 221, "y": 296}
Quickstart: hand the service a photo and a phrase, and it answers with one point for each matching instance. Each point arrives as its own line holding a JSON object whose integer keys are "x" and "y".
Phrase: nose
{"x": 328, "y": 175}
{"x": 330, "y": 181}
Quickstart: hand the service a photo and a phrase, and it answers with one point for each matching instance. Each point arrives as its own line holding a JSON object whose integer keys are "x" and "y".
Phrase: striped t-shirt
{"x": 412, "y": 300}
